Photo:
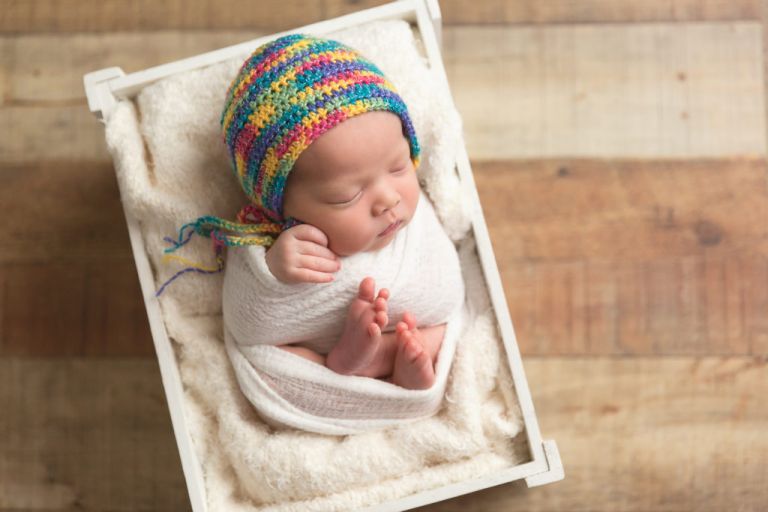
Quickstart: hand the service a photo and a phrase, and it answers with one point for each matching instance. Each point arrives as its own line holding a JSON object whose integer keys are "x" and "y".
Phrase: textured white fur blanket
{"x": 171, "y": 168}
{"x": 420, "y": 268}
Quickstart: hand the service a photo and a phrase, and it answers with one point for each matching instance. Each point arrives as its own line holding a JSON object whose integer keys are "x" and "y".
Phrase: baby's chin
{"x": 351, "y": 251}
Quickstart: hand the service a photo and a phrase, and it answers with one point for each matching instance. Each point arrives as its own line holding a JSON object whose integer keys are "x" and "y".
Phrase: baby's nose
{"x": 386, "y": 202}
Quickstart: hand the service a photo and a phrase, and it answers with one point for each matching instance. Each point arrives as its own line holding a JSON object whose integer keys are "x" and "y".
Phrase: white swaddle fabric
{"x": 420, "y": 268}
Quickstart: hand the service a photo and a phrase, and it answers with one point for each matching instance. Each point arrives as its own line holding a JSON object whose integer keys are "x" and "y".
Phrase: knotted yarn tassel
{"x": 193, "y": 267}
{"x": 223, "y": 233}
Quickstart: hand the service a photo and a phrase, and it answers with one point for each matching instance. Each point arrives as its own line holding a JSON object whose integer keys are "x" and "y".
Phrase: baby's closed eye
{"x": 346, "y": 201}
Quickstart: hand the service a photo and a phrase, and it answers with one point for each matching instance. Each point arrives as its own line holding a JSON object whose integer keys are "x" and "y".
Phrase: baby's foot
{"x": 360, "y": 343}
{"x": 413, "y": 366}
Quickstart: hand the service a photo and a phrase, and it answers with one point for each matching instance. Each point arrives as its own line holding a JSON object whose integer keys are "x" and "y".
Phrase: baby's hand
{"x": 301, "y": 255}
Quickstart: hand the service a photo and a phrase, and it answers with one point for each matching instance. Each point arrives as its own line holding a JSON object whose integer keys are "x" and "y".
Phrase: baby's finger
{"x": 305, "y": 275}
{"x": 309, "y": 233}
{"x": 319, "y": 264}
{"x": 315, "y": 249}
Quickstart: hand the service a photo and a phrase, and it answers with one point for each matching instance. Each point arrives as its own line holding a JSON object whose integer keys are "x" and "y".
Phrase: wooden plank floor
{"x": 619, "y": 149}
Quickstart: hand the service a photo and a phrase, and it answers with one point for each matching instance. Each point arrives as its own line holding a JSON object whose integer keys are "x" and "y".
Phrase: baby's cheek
{"x": 340, "y": 244}
{"x": 351, "y": 238}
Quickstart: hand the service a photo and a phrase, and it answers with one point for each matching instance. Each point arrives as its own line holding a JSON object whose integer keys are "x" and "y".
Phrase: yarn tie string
{"x": 254, "y": 227}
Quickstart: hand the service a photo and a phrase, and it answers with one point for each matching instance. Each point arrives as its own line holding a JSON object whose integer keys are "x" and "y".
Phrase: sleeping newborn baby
{"x": 345, "y": 153}
{"x": 363, "y": 214}
{"x": 339, "y": 259}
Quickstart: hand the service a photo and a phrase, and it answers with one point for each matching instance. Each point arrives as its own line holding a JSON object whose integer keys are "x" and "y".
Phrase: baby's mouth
{"x": 392, "y": 227}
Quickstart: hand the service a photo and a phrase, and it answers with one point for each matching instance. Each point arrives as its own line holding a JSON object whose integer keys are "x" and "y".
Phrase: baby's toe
{"x": 418, "y": 337}
{"x": 366, "y": 290}
{"x": 374, "y": 330}
{"x": 380, "y": 304}
{"x": 410, "y": 320}
{"x": 411, "y": 348}
{"x": 382, "y": 319}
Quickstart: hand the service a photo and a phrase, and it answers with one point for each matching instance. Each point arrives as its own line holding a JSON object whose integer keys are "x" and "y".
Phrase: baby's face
{"x": 356, "y": 183}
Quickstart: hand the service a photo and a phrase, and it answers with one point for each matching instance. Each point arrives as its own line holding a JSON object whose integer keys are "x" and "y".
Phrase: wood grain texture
{"x": 86, "y": 435}
{"x": 595, "y": 11}
{"x": 30, "y": 60}
{"x": 72, "y": 134}
{"x": 68, "y": 283}
{"x": 619, "y": 91}
{"x": 144, "y": 15}
{"x": 57, "y": 309}
{"x": 645, "y": 434}
{"x": 631, "y": 257}
{"x": 637, "y": 434}
{"x": 599, "y": 257}
{"x": 686, "y": 90}
{"x": 61, "y": 211}
{"x": 764, "y": 62}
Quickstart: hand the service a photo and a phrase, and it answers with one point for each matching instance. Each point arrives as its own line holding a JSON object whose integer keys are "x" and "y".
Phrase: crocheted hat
{"x": 288, "y": 93}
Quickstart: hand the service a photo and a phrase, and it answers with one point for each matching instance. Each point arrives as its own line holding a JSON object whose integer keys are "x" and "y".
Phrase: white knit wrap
{"x": 420, "y": 268}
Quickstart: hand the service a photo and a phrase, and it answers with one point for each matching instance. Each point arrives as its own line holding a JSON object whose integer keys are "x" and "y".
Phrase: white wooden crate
{"x": 103, "y": 89}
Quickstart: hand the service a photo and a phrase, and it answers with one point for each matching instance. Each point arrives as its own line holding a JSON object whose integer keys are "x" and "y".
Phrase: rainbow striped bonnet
{"x": 287, "y": 94}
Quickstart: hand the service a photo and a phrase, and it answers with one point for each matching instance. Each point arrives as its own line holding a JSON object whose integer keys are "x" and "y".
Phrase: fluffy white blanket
{"x": 172, "y": 167}
{"x": 420, "y": 268}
